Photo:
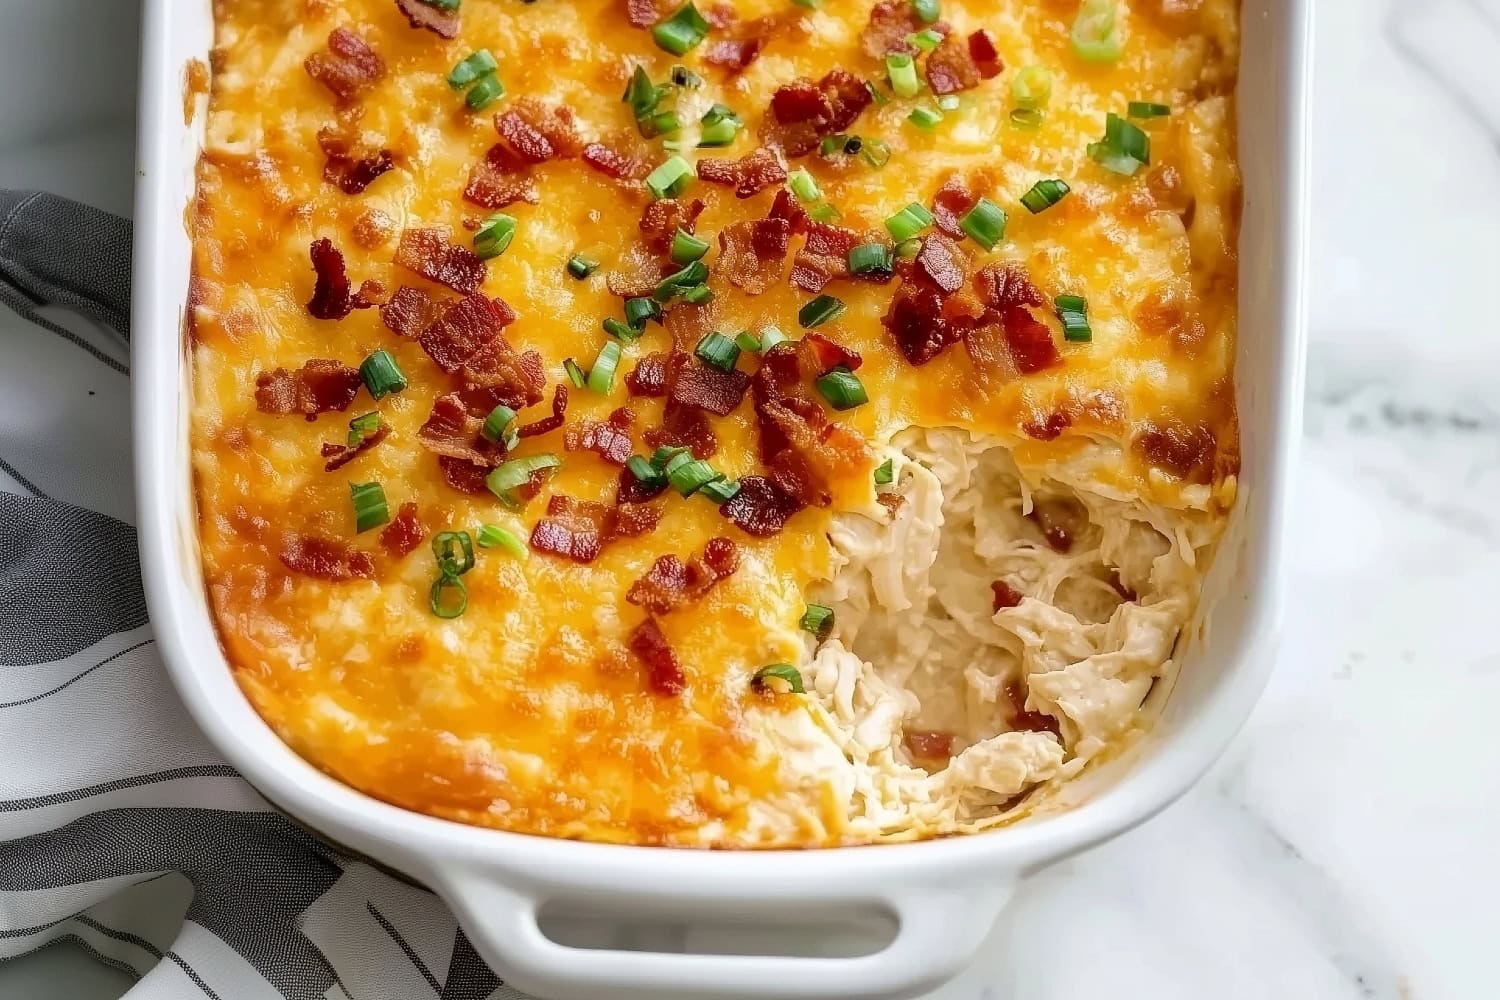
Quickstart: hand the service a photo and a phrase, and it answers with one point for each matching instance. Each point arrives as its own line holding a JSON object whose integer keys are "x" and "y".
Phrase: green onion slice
{"x": 1095, "y": 34}
{"x": 949, "y": 102}
{"x": 697, "y": 295}
{"x": 666, "y": 454}
{"x": 842, "y": 388}
{"x": 780, "y": 671}
{"x": 684, "y": 77}
{"x": 1031, "y": 87}
{"x": 925, "y": 118}
{"x": 817, "y": 619}
{"x": 885, "y": 473}
{"x": 623, "y": 332}
{"x": 719, "y": 351}
{"x": 908, "y": 222}
{"x": 473, "y": 66}
{"x": 720, "y": 491}
{"x": 903, "y": 74}
{"x": 676, "y": 283}
{"x": 487, "y": 91}
{"x": 1125, "y": 148}
{"x": 747, "y": 342}
{"x": 985, "y": 223}
{"x": 362, "y": 427}
{"x": 382, "y": 376}
{"x": 370, "y": 508}
{"x": 575, "y": 373}
{"x": 804, "y": 186}
{"x": 871, "y": 258}
{"x": 681, "y": 32}
{"x": 449, "y": 597}
{"x": 686, "y": 248}
{"x": 641, "y": 94}
{"x": 1044, "y": 194}
{"x": 516, "y": 473}
{"x": 581, "y": 267}
{"x": 908, "y": 249}
{"x": 1146, "y": 109}
{"x": 770, "y": 337}
{"x": 927, "y": 10}
{"x": 926, "y": 39}
{"x": 454, "y": 552}
{"x": 602, "y": 376}
{"x": 494, "y": 235}
{"x": 876, "y": 153}
{"x": 1073, "y": 313}
{"x": 641, "y": 310}
{"x": 492, "y": 536}
{"x": 690, "y": 476}
{"x": 498, "y": 422}
{"x": 1027, "y": 118}
{"x": 719, "y": 133}
{"x": 819, "y": 311}
{"x": 643, "y": 470}
{"x": 671, "y": 178}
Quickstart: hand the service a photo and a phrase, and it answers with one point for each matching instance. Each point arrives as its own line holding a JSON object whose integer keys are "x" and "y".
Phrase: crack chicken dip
{"x": 776, "y": 423}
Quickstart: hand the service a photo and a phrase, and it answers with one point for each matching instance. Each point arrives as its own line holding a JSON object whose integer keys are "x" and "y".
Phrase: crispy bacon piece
{"x": 443, "y": 23}
{"x": 752, "y": 254}
{"x": 801, "y": 449}
{"x": 348, "y": 67}
{"x": 428, "y": 253}
{"x": 803, "y": 112}
{"x": 649, "y": 377}
{"x": 1005, "y": 596}
{"x": 1030, "y": 342}
{"x": 664, "y": 674}
{"x": 555, "y": 124}
{"x": 952, "y": 67}
{"x": 497, "y": 373}
{"x": 669, "y": 584}
{"x": 748, "y": 175}
{"x": 549, "y": 423}
{"x": 501, "y": 178}
{"x": 984, "y": 54}
{"x": 349, "y": 164}
{"x": 1005, "y": 286}
{"x": 325, "y": 558}
{"x": 579, "y": 529}
{"x": 951, "y": 203}
{"x": 408, "y": 312}
{"x": 405, "y": 532}
{"x": 830, "y": 354}
{"x": 694, "y": 383}
{"x": 1186, "y": 451}
{"x": 685, "y": 427}
{"x": 642, "y": 13}
{"x": 609, "y": 439}
{"x": 630, "y": 490}
{"x": 464, "y": 327}
{"x": 464, "y": 476}
{"x": 332, "y": 292}
{"x": 1048, "y": 428}
{"x": 891, "y": 21}
{"x": 733, "y": 54}
{"x": 454, "y": 432}
{"x": 823, "y": 257}
{"x": 663, "y": 217}
{"x": 318, "y": 386}
{"x": 610, "y": 163}
{"x": 340, "y": 454}
{"x": 760, "y": 508}
{"x": 942, "y": 264}
{"x": 915, "y": 321}
{"x": 787, "y": 209}
{"x": 1060, "y": 521}
{"x": 1025, "y": 720}
{"x": 524, "y": 139}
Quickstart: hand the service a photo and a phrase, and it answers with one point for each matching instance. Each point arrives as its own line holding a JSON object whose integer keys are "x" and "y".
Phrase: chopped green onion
{"x": 876, "y": 153}
{"x": 719, "y": 113}
{"x": 903, "y": 74}
{"x": 487, "y": 91}
{"x": 1146, "y": 109}
{"x": 926, "y": 39}
{"x": 781, "y": 671}
{"x": 985, "y": 222}
{"x": 641, "y": 94}
{"x": 581, "y": 267}
{"x": 925, "y": 118}
{"x": 492, "y": 536}
{"x": 623, "y": 332}
{"x": 511, "y": 476}
{"x": 872, "y": 259}
{"x": 927, "y": 10}
{"x": 719, "y": 133}
{"x": 1073, "y": 312}
{"x": 684, "y": 77}
{"x": 949, "y": 102}
{"x": 362, "y": 427}
{"x": 747, "y": 342}
{"x": 817, "y": 619}
{"x": 1031, "y": 87}
{"x": 719, "y": 351}
{"x": 823, "y": 212}
{"x": 842, "y": 388}
{"x": 676, "y": 283}
{"x": 819, "y": 311}
{"x": 908, "y": 249}
{"x": 1027, "y": 118}
{"x": 804, "y": 186}
{"x": 682, "y": 31}
{"x": 1044, "y": 194}
{"x": 575, "y": 373}
{"x": 643, "y": 470}
{"x": 697, "y": 295}
{"x": 1095, "y": 35}
{"x": 370, "y": 509}
{"x": 381, "y": 375}
{"x": 833, "y": 145}
{"x": 908, "y": 222}
{"x": 687, "y": 248}
{"x": 494, "y": 235}
{"x": 478, "y": 64}
{"x": 602, "y": 376}
{"x": 660, "y": 123}
{"x": 671, "y": 178}
{"x": 666, "y": 454}
{"x": 720, "y": 491}
{"x": 448, "y": 606}
{"x": 448, "y": 5}
{"x": 770, "y": 337}
{"x": 690, "y": 476}
{"x": 1125, "y": 148}
{"x": 641, "y": 310}
{"x": 885, "y": 473}
{"x": 500, "y": 418}
{"x": 446, "y": 549}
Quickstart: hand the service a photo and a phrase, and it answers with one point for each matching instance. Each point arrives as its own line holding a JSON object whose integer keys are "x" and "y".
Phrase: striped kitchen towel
{"x": 120, "y": 828}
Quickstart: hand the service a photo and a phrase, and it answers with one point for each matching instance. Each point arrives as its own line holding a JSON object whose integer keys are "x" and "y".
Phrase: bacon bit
{"x": 664, "y": 674}
{"x": 830, "y": 355}
{"x": 952, "y": 202}
{"x": 466, "y": 477}
{"x": 748, "y": 175}
{"x": 318, "y": 386}
{"x": 350, "y": 166}
{"x": 464, "y": 327}
{"x": 803, "y": 112}
{"x": 497, "y": 374}
{"x": 984, "y": 54}
{"x": 1031, "y": 345}
{"x": 890, "y": 22}
{"x": 951, "y": 68}
{"x": 1005, "y": 286}
{"x": 1024, "y": 720}
{"x": 453, "y": 431}
{"x": 340, "y": 455}
{"x": 720, "y": 15}
{"x": 548, "y": 424}
{"x": 1061, "y": 522}
{"x": 752, "y": 254}
{"x": 663, "y": 217}
{"x": 609, "y": 439}
{"x": 408, "y": 311}
{"x": 405, "y": 532}
{"x": 760, "y": 508}
{"x": 443, "y": 23}
{"x": 1187, "y": 452}
{"x": 615, "y": 165}
{"x": 687, "y": 324}
{"x": 789, "y": 210}
{"x": 428, "y": 253}
{"x": 523, "y": 138}
{"x": 500, "y": 179}
{"x": 916, "y": 323}
{"x": 630, "y": 490}
{"x": 684, "y": 427}
{"x": 891, "y": 501}
{"x": 1049, "y": 428}
{"x": 649, "y": 378}
{"x": 693, "y": 383}
{"x": 732, "y": 54}
{"x": 371, "y": 293}
{"x": 823, "y": 257}
{"x": 799, "y": 446}
{"x": 325, "y": 558}
{"x": 1006, "y": 596}
{"x": 929, "y": 745}
{"x": 331, "y": 297}
{"x": 642, "y": 13}
{"x": 669, "y": 584}
{"x": 579, "y": 529}
{"x": 942, "y": 263}
{"x": 348, "y": 68}
{"x": 554, "y": 123}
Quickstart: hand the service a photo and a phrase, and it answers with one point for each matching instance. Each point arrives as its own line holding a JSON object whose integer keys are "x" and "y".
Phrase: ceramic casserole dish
{"x": 939, "y": 897}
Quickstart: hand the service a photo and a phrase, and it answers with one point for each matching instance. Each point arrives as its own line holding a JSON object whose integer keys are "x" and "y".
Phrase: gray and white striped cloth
{"x": 120, "y": 828}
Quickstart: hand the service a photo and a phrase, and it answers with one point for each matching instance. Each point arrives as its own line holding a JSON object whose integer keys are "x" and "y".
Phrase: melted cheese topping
{"x": 528, "y": 712}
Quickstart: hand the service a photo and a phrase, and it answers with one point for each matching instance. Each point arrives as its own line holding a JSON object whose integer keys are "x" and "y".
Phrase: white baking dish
{"x": 942, "y": 896}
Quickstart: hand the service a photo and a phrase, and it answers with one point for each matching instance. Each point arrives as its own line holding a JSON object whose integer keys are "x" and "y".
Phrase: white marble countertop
{"x": 1343, "y": 846}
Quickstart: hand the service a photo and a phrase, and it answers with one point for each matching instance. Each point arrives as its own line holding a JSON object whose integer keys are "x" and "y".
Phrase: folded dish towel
{"x": 120, "y": 828}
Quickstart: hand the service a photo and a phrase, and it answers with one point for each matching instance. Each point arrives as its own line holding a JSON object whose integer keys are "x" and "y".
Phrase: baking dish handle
{"x": 940, "y": 929}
